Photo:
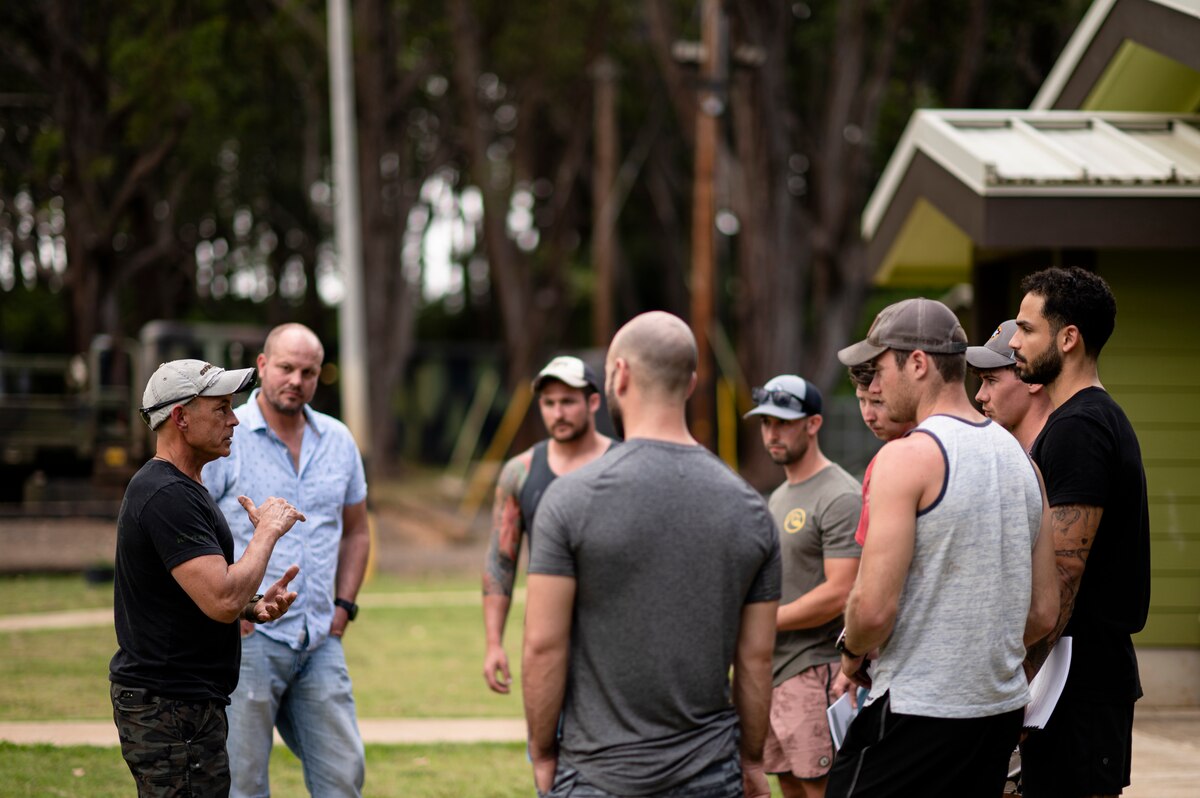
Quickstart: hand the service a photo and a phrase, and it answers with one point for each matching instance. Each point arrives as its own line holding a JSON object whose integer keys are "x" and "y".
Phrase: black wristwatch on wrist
{"x": 840, "y": 645}
{"x": 349, "y": 606}
{"x": 248, "y": 610}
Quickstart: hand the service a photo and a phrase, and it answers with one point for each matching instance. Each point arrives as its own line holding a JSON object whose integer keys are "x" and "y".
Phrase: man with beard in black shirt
{"x": 1096, "y": 487}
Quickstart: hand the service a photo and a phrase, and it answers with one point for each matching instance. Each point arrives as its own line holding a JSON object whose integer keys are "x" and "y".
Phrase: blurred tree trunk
{"x": 511, "y": 279}
{"x": 383, "y": 93}
{"x": 102, "y": 182}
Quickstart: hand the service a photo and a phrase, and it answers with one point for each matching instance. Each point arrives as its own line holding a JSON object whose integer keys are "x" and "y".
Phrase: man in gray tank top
{"x": 957, "y": 576}
{"x": 568, "y": 396}
{"x": 652, "y": 571}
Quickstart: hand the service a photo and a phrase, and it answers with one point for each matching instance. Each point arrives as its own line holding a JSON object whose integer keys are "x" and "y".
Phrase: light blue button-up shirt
{"x": 330, "y": 478}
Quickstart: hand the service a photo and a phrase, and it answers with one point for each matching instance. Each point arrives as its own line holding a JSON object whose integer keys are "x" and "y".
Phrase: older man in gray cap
{"x": 1019, "y": 407}
{"x": 816, "y": 509}
{"x": 179, "y": 594}
{"x": 957, "y": 575}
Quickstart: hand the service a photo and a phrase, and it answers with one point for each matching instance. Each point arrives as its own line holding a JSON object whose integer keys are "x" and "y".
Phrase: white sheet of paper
{"x": 1047, "y": 686}
{"x": 840, "y": 713}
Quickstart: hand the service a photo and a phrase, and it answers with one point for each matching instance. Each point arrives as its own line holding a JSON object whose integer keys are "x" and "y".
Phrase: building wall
{"x": 1151, "y": 366}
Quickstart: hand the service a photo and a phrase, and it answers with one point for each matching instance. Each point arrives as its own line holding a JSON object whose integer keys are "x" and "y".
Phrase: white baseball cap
{"x": 569, "y": 371}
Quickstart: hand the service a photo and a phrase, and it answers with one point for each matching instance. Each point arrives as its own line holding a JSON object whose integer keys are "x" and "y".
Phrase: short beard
{"x": 576, "y": 433}
{"x": 1042, "y": 371}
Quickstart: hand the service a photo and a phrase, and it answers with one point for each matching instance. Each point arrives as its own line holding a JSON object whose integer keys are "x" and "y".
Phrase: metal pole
{"x": 708, "y": 109}
{"x": 352, "y": 332}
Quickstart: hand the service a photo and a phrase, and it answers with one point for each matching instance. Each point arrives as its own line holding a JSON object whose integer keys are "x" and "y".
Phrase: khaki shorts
{"x": 798, "y": 740}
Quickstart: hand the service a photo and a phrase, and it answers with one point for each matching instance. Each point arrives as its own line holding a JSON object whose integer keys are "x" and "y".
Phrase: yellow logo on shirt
{"x": 794, "y": 521}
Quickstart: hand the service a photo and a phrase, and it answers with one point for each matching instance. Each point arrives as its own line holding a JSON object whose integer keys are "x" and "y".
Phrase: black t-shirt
{"x": 1089, "y": 455}
{"x": 165, "y": 642}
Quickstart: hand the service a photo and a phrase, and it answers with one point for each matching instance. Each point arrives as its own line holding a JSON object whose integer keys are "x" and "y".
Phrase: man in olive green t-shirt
{"x": 816, "y": 510}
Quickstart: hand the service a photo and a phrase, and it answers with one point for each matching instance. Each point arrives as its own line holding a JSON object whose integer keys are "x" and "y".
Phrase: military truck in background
{"x": 70, "y": 432}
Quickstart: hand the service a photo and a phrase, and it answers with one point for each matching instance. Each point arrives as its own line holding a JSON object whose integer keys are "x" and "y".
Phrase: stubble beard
{"x": 790, "y": 455}
{"x": 614, "y": 413}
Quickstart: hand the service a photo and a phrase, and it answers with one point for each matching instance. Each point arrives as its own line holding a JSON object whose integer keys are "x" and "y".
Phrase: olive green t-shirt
{"x": 816, "y": 520}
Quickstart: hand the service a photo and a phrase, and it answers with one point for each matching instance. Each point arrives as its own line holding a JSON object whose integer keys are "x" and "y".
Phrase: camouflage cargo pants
{"x": 175, "y": 749}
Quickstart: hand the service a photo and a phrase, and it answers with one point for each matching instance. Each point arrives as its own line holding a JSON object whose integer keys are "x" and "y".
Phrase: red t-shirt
{"x": 860, "y": 534}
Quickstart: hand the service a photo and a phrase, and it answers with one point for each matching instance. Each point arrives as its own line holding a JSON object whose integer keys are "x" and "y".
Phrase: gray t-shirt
{"x": 817, "y": 519}
{"x": 666, "y": 545}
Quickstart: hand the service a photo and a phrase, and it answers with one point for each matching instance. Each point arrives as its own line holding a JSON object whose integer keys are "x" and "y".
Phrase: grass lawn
{"x": 51, "y": 593}
{"x": 418, "y": 661}
{"x": 404, "y": 771}
{"x": 411, "y": 662}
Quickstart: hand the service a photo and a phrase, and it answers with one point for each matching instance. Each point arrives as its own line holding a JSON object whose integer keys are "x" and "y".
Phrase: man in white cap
{"x": 568, "y": 396}
{"x": 816, "y": 509}
{"x": 1019, "y": 407}
{"x": 179, "y": 594}
{"x": 957, "y": 575}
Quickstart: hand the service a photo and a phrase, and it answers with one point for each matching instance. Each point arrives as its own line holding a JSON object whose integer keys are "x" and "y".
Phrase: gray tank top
{"x": 956, "y": 647}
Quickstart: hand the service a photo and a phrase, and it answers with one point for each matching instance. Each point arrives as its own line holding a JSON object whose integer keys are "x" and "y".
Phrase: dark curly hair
{"x": 1079, "y": 297}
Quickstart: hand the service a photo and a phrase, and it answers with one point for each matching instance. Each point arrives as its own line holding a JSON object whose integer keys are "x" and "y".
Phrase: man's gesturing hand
{"x": 274, "y": 514}
{"x": 277, "y": 599}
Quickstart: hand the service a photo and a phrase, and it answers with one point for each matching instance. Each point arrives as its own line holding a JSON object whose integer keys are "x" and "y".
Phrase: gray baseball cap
{"x": 180, "y": 381}
{"x": 787, "y": 397}
{"x": 912, "y": 324}
{"x": 996, "y": 353}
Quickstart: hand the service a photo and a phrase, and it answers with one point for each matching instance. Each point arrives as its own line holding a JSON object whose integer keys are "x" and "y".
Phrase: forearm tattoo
{"x": 504, "y": 547}
{"x": 1074, "y": 528}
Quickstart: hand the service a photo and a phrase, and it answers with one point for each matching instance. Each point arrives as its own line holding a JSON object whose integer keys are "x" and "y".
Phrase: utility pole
{"x": 352, "y": 330}
{"x": 604, "y": 175}
{"x": 708, "y": 109}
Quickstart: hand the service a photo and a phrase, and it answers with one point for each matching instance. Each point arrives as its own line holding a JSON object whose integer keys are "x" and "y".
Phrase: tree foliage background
{"x": 170, "y": 159}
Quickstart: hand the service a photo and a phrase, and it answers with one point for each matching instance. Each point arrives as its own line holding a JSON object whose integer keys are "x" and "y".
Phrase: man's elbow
{"x": 224, "y": 611}
{"x": 873, "y": 619}
{"x": 753, "y": 658}
{"x": 1043, "y": 616}
{"x": 537, "y": 649}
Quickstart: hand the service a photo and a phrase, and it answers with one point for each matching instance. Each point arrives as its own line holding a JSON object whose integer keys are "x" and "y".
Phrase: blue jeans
{"x": 307, "y": 696}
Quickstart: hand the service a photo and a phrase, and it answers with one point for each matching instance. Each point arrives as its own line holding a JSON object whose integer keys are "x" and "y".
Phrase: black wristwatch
{"x": 248, "y": 610}
{"x": 349, "y": 606}
{"x": 840, "y": 645}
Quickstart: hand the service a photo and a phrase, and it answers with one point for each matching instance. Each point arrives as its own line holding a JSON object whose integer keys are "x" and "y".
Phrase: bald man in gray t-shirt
{"x": 653, "y": 571}
{"x": 666, "y": 545}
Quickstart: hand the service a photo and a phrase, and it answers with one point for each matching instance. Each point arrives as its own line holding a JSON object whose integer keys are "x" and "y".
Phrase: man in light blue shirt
{"x": 293, "y": 671}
